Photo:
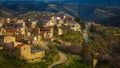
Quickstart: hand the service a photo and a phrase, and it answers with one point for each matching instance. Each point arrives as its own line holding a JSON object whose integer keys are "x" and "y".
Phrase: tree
{"x": 81, "y": 22}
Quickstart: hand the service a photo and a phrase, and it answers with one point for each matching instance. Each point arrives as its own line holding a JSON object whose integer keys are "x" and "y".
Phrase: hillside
{"x": 69, "y": 49}
{"x": 5, "y": 12}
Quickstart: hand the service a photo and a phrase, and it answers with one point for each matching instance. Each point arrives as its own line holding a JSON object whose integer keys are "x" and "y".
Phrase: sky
{"x": 97, "y": 2}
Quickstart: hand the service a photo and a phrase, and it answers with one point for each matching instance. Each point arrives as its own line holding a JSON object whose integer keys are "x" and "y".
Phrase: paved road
{"x": 63, "y": 59}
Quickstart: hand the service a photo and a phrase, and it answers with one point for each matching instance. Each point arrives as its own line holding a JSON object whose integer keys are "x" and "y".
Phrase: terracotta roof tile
{"x": 12, "y": 30}
{"x": 60, "y": 15}
{"x": 19, "y": 45}
{"x": 30, "y": 38}
{"x": 42, "y": 33}
{"x": 9, "y": 24}
{"x": 47, "y": 28}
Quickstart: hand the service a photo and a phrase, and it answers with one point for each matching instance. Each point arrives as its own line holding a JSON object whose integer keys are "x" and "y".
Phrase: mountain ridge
{"x": 86, "y": 12}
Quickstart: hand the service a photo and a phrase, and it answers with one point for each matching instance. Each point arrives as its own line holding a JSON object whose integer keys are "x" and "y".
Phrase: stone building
{"x": 48, "y": 32}
{"x": 39, "y": 37}
{"x": 76, "y": 27}
{"x": 10, "y": 31}
{"x": 13, "y": 29}
{"x": 8, "y": 20}
{"x": 24, "y": 51}
{"x": 60, "y": 31}
{"x": 8, "y": 39}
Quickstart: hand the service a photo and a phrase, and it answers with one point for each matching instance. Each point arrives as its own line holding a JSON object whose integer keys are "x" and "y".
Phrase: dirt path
{"x": 63, "y": 59}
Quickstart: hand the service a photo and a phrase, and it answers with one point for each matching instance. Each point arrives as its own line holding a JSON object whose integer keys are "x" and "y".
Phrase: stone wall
{"x": 37, "y": 54}
{"x": 9, "y": 39}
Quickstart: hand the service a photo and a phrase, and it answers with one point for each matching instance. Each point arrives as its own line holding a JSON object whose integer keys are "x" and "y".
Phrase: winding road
{"x": 63, "y": 58}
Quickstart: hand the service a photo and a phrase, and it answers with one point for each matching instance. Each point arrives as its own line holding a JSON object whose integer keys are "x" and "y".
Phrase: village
{"x": 22, "y": 34}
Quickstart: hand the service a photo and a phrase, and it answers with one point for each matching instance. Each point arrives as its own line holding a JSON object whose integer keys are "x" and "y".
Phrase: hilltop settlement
{"x": 20, "y": 35}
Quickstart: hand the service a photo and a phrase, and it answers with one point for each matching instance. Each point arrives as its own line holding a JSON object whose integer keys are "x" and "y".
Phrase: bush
{"x": 81, "y": 22}
{"x": 72, "y": 36}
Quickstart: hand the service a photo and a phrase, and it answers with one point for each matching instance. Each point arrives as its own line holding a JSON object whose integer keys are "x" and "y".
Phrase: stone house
{"x": 22, "y": 30}
{"x": 43, "y": 34}
{"x": 7, "y": 42}
{"x": 8, "y": 46}
{"x": 13, "y": 29}
{"x": 61, "y": 15}
{"x": 33, "y": 24}
{"x": 19, "y": 26}
{"x": 8, "y": 39}
{"x": 24, "y": 51}
{"x": 19, "y": 38}
{"x": 48, "y": 32}
{"x": 10, "y": 31}
{"x": 1, "y": 47}
{"x": 60, "y": 31}
{"x": 1, "y": 22}
{"x": 8, "y": 20}
{"x": 53, "y": 19}
{"x": 12, "y": 25}
{"x": 35, "y": 30}
{"x": 50, "y": 23}
{"x": 76, "y": 27}
{"x": 29, "y": 39}
{"x": 39, "y": 37}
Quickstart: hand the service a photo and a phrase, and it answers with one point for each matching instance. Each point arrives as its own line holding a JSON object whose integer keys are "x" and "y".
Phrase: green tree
{"x": 81, "y": 22}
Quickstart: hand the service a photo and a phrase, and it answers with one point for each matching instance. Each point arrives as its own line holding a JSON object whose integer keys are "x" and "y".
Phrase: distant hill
{"x": 5, "y": 12}
{"x": 86, "y": 9}
{"x": 112, "y": 21}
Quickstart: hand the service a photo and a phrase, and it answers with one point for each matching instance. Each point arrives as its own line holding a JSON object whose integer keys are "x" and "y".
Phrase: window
{"x": 15, "y": 26}
{"x": 24, "y": 48}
